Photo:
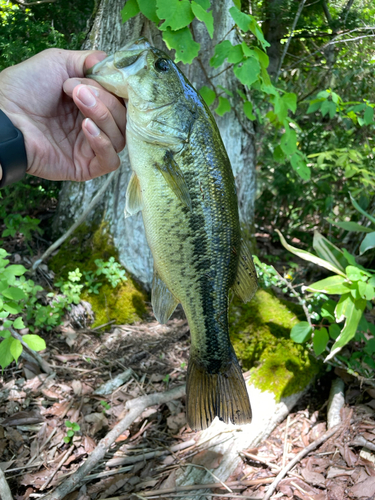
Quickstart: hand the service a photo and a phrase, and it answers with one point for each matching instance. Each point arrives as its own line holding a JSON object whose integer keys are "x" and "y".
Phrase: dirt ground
{"x": 39, "y": 448}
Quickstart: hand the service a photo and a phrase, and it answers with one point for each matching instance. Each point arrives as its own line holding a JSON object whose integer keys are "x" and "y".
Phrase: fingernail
{"x": 92, "y": 128}
{"x": 94, "y": 90}
{"x": 86, "y": 96}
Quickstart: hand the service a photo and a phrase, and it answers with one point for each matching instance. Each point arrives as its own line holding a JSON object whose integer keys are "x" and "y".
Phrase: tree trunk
{"x": 109, "y": 34}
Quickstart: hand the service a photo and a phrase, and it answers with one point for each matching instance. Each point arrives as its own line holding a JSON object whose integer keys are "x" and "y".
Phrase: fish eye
{"x": 161, "y": 65}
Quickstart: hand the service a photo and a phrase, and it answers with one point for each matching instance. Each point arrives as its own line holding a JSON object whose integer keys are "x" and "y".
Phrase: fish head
{"x": 141, "y": 73}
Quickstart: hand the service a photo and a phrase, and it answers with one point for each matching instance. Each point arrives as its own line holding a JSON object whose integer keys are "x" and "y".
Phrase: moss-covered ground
{"x": 126, "y": 302}
{"x": 260, "y": 334}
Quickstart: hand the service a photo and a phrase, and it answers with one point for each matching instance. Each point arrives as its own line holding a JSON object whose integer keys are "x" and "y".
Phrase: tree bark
{"x": 109, "y": 34}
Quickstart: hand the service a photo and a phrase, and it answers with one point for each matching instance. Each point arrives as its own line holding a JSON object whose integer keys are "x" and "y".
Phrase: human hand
{"x": 47, "y": 98}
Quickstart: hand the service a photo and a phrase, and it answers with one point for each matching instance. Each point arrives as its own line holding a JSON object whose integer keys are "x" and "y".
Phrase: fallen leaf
{"x": 54, "y": 396}
{"x": 364, "y": 489}
{"x": 58, "y": 409}
{"x": 175, "y": 422}
{"x": 313, "y": 477}
{"x": 337, "y": 471}
{"x": 22, "y": 418}
{"x": 89, "y": 444}
{"x": 77, "y": 387}
{"x": 98, "y": 420}
{"x": 317, "y": 431}
{"x": 208, "y": 458}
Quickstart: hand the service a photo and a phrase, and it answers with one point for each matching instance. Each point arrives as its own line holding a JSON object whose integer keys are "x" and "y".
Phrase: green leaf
{"x": 16, "y": 270}
{"x": 261, "y": 56}
{"x": 18, "y": 323}
{"x": 288, "y": 141}
{"x": 314, "y": 106}
{"x": 366, "y": 291}
{"x": 223, "y": 107}
{"x": 208, "y": 95}
{"x": 35, "y": 342}
{"x": 369, "y": 115}
{"x": 16, "y": 349}
{"x": 12, "y": 308}
{"x": 352, "y": 311}
{"x": 367, "y": 243}
{"x": 177, "y": 14}
{"x": 357, "y": 207}
{"x": 225, "y": 50}
{"x": 350, "y": 226}
{"x": 278, "y": 154}
{"x": 370, "y": 346}
{"x": 336, "y": 285}
{"x": 182, "y": 42}
{"x": 309, "y": 256}
{"x": 248, "y": 73}
{"x": 334, "y": 331}
{"x": 6, "y": 356}
{"x": 205, "y": 4}
{"x": 328, "y": 310}
{"x": 320, "y": 340}
{"x": 301, "y": 332}
{"x": 300, "y": 166}
{"x": 148, "y": 9}
{"x": 248, "y": 110}
{"x": 206, "y": 17}
{"x": 131, "y": 9}
{"x": 328, "y": 251}
{"x": 14, "y": 293}
{"x": 290, "y": 100}
{"x": 242, "y": 20}
{"x": 354, "y": 273}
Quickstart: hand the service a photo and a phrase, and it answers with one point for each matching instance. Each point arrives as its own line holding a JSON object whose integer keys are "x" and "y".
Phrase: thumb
{"x": 78, "y": 61}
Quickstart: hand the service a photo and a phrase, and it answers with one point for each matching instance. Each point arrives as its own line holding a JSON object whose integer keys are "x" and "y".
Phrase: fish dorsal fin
{"x": 246, "y": 282}
{"x": 175, "y": 178}
{"x": 162, "y": 300}
{"x": 134, "y": 202}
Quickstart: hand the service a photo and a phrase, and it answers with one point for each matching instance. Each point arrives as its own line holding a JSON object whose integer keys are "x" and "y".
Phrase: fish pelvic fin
{"x": 134, "y": 202}
{"x": 162, "y": 300}
{"x": 222, "y": 394}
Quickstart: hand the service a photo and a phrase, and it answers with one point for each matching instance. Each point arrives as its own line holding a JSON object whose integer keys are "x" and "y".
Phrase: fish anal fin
{"x": 210, "y": 395}
{"x": 175, "y": 178}
{"x": 134, "y": 202}
{"x": 246, "y": 282}
{"x": 162, "y": 300}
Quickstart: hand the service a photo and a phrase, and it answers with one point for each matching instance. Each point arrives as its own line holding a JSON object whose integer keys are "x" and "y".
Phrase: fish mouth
{"x": 112, "y": 73}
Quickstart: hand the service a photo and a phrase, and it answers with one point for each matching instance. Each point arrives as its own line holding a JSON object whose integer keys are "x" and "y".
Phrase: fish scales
{"x": 184, "y": 186}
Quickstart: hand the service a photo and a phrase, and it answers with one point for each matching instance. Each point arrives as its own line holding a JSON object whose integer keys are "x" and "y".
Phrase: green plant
{"x": 111, "y": 270}
{"x": 105, "y": 405}
{"x": 25, "y": 225}
{"x": 73, "y": 428}
{"x": 336, "y": 322}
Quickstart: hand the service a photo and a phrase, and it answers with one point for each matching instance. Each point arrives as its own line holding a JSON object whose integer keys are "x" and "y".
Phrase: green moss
{"x": 126, "y": 302}
{"x": 260, "y": 334}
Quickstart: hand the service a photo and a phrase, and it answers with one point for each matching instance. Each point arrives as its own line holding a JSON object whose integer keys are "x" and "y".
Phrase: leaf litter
{"x": 96, "y": 374}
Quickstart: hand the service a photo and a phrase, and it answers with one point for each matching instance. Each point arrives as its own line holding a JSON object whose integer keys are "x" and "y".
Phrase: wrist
{"x": 13, "y": 159}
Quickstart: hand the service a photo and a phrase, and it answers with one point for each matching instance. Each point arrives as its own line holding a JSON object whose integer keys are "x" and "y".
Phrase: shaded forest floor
{"x": 34, "y": 409}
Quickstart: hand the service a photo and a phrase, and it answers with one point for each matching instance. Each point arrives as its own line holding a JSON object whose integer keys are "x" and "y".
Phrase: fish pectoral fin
{"x": 134, "y": 202}
{"x": 175, "y": 178}
{"x": 246, "y": 282}
{"x": 162, "y": 300}
{"x": 209, "y": 395}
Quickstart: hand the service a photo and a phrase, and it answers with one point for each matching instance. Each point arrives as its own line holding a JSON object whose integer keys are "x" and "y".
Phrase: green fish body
{"x": 183, "y": 183}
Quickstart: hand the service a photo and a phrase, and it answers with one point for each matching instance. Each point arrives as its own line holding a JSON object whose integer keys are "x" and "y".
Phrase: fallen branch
{"x": 78, "y": 222}
{"x": 297, "y": 458}
{"x": 135, "y": 407}
{"x": 361, "y": 441}
{"x": 335, "y": 402}
{"x": 5, "y": 493}
{"x": 36, "y": 356}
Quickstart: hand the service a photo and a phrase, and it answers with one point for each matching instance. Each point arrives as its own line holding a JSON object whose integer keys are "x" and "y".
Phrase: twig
{"x": 335, "y": 402}
{"x": 300, "y": 7}
{"x": 5, "y": 493}
{"x": 297, "y": 458}
{"x": 135, "y": 407}
{"x": 78, "y": 222}
{"x": 285, "y": 441}
{"x": 37, "y": 357}
{"x": 60, "y": 464}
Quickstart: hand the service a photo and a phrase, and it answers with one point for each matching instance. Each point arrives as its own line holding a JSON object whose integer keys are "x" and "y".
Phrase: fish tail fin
{"x": 221, "y": 394}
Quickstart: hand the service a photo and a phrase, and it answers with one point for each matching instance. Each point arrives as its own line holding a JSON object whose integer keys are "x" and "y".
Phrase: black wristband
{"x": 13, "y": 159}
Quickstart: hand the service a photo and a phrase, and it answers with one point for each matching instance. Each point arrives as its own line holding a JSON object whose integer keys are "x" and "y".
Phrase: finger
{"x": 88, "y": 103}
{"x": 106, "y": 159}
{"x": 78, "y": 61}
{"x": 115, "y": 106}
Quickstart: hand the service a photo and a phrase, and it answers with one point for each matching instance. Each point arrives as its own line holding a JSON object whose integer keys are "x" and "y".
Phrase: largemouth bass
{"x": 183, "y": 183}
